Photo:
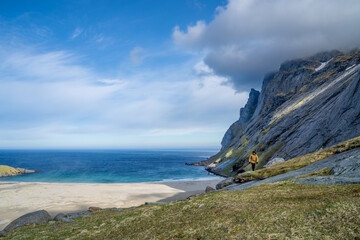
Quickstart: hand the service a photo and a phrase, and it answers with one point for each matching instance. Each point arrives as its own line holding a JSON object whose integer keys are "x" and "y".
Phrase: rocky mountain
{"x": 309, "y": 104}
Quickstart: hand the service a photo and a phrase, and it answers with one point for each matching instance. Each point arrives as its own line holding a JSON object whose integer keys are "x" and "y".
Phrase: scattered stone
{"x": 59, "y": 216}
{"x": 209, "y": 189}
{"x": 225, "y": 182}
{"x": 93, "y": 209}
{"x": 118, "y": 209}
{"x": 78, "y": 216}
{"x": 201, "y": 205}
{"x": 211, "y": 165}
{"x": 66, "y": 220}
{"x": 151, "y": 203}
{"x": 37, "y": 217}
{"x": 2, "y": 233}
{"x": 133, "y": 207}
{"x": 274, "y": 161}
{"x": 52, "y": 222}
{"x": 82, "y": 212}
{"x": 53, "y": 228}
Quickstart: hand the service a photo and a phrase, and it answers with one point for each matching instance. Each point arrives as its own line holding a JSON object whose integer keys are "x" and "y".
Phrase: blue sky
{"x": 165, "y": 73}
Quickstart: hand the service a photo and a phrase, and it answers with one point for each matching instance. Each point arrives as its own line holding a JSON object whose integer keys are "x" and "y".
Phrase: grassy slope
{"x": 299, "y": 162}
{"x": 273, "y": 211}
{"x": 6, "y": 170}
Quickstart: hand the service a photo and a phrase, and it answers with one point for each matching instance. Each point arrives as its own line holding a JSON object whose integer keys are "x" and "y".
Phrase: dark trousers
{"x": 253, "y": 166}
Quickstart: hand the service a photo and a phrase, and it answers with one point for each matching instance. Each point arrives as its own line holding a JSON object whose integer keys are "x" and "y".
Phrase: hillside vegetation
{"x": 8, "y": 171}
{"x": 282, "y": 210}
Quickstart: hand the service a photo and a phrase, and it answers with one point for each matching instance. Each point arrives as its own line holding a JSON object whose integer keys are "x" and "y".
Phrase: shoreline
{"x": 19, "y": 198}
{"x": 215, "y": 177}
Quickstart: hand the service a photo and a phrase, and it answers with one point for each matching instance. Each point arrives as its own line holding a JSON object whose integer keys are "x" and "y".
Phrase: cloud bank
{"x": 248, "y": 38}
{"x": 50, "y": 99}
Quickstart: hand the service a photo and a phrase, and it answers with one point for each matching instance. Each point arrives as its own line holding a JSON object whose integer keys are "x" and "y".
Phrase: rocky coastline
{"x": 7, "y": 171}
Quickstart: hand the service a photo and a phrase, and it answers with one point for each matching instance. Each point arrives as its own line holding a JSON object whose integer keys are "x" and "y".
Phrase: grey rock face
{"x": 328, "y": 180}
{"x": 247, "y": 112}
{"x": 37, "y": 217}
{"x": 66, "y": 220}
{"x": 227, "y": 138}
{"x": 59, "y": 216}
{"x": 209, "y": 189}
{"x": 225, "y": 182}
{"x": 274, "y": 161}
{"x": 299, "y": 110}
{"x": 245, "y": 115}
{"x": 94, "y": 209}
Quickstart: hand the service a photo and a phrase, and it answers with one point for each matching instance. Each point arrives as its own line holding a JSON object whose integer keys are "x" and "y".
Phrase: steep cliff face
{"x": 308, "y": 104}
{"x": 245, "y": 114}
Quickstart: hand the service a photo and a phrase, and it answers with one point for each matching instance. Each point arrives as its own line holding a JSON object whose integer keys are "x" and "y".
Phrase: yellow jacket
{"x": 253, "y": 158}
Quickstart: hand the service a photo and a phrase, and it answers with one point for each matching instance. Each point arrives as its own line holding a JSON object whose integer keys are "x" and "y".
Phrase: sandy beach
{"x": 19, "y": 198}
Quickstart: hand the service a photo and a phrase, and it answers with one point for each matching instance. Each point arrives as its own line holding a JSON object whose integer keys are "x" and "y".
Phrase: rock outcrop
{"x": 37, "y": 217}
{"x": 7, "y": 171}
{"x": 307, "y": 105}
{"x": 274, "y": 161}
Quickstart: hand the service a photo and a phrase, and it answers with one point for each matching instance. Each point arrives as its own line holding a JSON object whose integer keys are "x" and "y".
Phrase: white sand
{"x": 19, "y": 198}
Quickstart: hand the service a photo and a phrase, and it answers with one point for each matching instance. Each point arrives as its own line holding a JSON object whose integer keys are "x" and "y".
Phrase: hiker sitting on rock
{"x": 253, "y": 159}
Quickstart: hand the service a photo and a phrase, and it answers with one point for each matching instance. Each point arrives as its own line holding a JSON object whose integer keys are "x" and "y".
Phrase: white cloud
{"x": 50, "y": 99}
{"x": 248, "y": 38}
{"x": 135, "y": 55}
{"x": 57, "y": 66}
{"x": 192, "y": 37}
{"x": 77, "y": 32}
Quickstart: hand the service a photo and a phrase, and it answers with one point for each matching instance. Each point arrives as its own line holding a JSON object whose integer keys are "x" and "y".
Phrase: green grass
{"x": 282, "y": 210}
{"x": 299, "y": 162}
{"x": 8, "y": 170}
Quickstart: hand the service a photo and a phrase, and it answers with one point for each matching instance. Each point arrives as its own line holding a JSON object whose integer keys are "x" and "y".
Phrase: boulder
{"x": 37, "y": 217}
{"x": 225, "y": 182}
{"x": 93, "y": 209}
{"x": 153, "y": 203}
{"x": 209, "y": 189}
{"x": 274, "y": 161}
{"x": 59, "y": 216}
{"x": 66, "y": 220}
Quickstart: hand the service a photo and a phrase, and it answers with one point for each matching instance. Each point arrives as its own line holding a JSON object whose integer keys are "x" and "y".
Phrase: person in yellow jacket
{"x": 253, "y": 159}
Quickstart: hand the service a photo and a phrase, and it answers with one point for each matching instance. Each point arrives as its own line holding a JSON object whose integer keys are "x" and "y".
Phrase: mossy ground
{"x": 282, "y": 210}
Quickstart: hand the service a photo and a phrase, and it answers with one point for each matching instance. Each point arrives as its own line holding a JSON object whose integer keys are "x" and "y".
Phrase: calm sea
{"x": 107, "y": 166}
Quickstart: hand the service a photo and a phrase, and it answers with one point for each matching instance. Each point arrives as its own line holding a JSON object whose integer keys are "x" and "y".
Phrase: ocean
{"x": 107, "y": 166}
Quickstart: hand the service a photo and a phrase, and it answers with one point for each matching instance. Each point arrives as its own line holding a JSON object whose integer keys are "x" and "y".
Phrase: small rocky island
{"x": 7, "y": 171}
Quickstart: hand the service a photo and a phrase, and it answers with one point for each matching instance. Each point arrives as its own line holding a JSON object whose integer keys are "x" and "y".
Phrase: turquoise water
{"x": 107, "y": 166}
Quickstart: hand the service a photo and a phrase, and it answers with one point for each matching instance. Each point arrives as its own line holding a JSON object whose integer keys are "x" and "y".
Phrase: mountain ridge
{"x": 308, "y": 104}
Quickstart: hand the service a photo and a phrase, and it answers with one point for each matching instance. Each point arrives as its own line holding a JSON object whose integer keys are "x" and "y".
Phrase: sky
{"x": 141, "y": 73}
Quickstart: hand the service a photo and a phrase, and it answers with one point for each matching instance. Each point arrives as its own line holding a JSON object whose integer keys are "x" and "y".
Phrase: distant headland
{"x": 7, "y": 171}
